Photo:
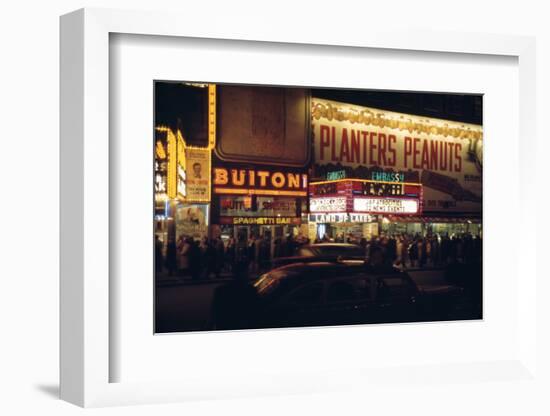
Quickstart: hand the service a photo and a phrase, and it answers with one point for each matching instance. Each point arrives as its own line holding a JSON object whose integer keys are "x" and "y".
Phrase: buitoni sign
{"x": 259, "y": 181}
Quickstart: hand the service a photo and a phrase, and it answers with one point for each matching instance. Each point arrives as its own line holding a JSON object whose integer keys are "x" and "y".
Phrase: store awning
{"x": 433, "y": 219}
{"x": 404, "y": 218}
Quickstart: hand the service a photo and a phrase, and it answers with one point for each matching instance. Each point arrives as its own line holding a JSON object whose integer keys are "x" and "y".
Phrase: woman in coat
{"x": 183, "y": 256}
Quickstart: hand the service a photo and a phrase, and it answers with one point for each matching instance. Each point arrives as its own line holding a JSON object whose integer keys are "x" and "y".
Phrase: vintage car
{"x": 339, "y": 292}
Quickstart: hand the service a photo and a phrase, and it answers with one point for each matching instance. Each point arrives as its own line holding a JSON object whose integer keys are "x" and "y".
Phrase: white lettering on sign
{"x": 241, "y": 206}
{"x": 386, "y": 205}
{"x": 182, "y": 182}
{"x": 338, "y": 204}
{"x": 336, "y": 217}
{"x": 442, "y": 155}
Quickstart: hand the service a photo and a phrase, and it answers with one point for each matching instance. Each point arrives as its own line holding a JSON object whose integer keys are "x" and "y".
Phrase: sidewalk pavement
{"x": 166, "y": 280}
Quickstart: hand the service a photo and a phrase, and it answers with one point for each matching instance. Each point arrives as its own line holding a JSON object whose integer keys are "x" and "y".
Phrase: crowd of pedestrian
{"x": 212, "y": 258}
{"x": 417, "y": 251}
{"x": 239, "y": 257}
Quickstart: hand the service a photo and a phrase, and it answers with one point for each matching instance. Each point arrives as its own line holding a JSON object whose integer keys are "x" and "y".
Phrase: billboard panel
{"x": 444, "y": 156}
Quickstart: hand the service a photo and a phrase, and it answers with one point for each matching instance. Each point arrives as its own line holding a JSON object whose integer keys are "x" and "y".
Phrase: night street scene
{"x": 281, "y": 206}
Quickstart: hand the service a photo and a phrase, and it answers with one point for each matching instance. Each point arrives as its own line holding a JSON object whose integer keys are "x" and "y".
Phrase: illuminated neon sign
{"x": 172, "y": 171}
{"x": 336, "y": 204}
{"x": 388, "y": 176}
{"x": 386, "y": 205}
{"x": 246, "y": 181}
{"x": 338, "y": 217}
{"x": 338, "y": 174}
{"x": 260, "y": 220}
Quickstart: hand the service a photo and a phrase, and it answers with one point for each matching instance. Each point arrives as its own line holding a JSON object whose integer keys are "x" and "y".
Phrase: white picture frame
{"x": 85, "y": 213}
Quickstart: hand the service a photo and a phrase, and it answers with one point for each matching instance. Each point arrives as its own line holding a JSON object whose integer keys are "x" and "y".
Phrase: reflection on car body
{"x": 340, "y": 293}
{"x": 322, "y": 251}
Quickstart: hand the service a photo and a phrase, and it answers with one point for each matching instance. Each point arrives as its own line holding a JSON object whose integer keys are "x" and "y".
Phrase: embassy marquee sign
{"x": 446, "y": 154}
{"x": 355, "y": 196}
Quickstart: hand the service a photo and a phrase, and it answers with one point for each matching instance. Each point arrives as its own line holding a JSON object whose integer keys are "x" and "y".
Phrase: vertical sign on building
{"x": 211, "y": 115}
{"x": 181, "y": 168}
{"x": 160, "y": 169}
{"x": 172, "y": 170}
{"x": 198, "y": 174}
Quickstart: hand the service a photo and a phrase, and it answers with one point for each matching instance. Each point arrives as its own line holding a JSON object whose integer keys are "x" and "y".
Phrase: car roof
{"x": 323, "y": 264}
{"x": 290, "y": 276}
{"x": 317, "y": 270}
{"x": 332, "y": 245}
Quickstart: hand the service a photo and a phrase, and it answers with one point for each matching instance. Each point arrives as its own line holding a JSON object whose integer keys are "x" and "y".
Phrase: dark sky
{"x": 176, "y": 101}
{"x": 186, "y": 107}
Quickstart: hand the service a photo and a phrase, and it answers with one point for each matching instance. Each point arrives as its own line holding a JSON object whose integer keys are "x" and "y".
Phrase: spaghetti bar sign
{"x": 260, "y": 220}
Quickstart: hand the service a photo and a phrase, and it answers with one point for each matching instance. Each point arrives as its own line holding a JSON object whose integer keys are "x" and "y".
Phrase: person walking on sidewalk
{"x": 219, "y": 255}
{"x": 159, "y": 260}
{"x": 183, "y": 256}
{"x": 264, "y": 253}
{"x": 194, "y": 260}
{"x": 230, "y": 255}
{"x": 252, "y": 253}
{"x": 242, "y": 259}
{"x": 171, "y": 257}
{"x": 209, "y": 259}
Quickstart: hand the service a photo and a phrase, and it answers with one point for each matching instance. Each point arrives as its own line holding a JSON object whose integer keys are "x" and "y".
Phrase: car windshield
{"x": 329, "y": 250}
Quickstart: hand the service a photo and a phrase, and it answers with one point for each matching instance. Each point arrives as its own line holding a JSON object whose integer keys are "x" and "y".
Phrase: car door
{"x": 303, "y": 306}
{"x": 396, "y": 299}
{"x": 348, "y": 300}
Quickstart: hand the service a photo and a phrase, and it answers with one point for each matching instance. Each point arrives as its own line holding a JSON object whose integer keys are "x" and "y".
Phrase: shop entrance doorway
{"x": 271, "y": 238}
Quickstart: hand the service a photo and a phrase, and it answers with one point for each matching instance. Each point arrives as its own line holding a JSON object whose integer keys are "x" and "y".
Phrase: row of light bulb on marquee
{"x": 367, "y": 117}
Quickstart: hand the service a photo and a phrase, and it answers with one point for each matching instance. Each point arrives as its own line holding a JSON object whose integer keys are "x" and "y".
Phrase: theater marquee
{"x": 444, "y": 156}
{"x": 386, "y": 205}
{"x": 361, "y": 196}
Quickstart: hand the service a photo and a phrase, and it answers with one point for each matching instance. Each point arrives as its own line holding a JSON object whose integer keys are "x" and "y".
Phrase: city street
{"x": 182, "y": 307}
{"x": 254, "y": 177}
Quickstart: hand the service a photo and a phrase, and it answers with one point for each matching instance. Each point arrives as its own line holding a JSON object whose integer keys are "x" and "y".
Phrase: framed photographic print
{"x": 281, "y": 214}
{"x": 297, "y": 207}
